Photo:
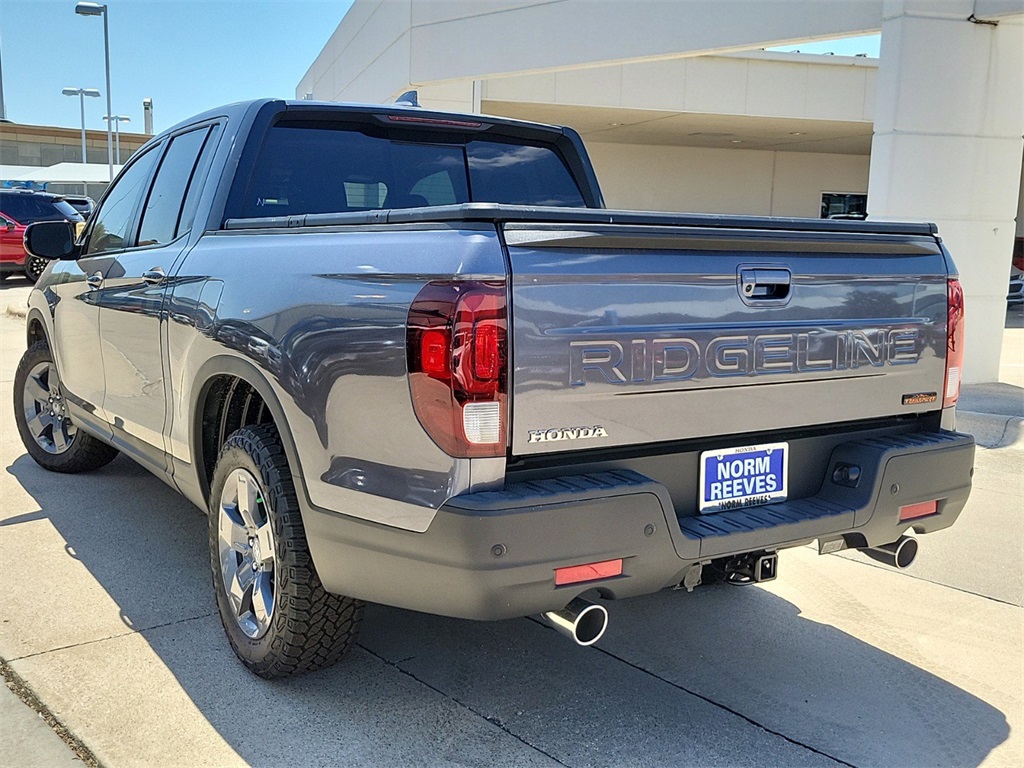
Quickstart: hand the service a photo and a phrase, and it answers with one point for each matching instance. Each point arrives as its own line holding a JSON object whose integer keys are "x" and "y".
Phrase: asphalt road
{"x": 106, "y": 612}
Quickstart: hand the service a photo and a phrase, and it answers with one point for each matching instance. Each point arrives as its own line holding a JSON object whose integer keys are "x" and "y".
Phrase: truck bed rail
{"x": 498, "y": 213}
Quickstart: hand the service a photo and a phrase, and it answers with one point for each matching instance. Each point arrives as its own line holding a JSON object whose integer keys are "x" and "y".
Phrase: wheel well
{"x": 35, "y": 330}
{"x": 230, "y": 403}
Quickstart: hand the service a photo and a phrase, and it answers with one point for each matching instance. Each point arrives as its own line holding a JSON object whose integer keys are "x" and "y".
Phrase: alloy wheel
{"x": 45, "y": 410}
{"x": 34, "y": 267}
{"x": 248, "y": 563}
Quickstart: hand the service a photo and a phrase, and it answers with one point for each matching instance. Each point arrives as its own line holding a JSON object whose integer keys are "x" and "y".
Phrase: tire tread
{"x": 312, "y": 628}
{"x": 86, "y": 452}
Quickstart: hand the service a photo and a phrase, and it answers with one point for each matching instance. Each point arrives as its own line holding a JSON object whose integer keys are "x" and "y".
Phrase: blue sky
{"x": 187, "y": 55}
{"x": 849, "y": 46}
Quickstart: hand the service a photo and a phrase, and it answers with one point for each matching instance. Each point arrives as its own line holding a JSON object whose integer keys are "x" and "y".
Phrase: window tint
{"x": 163, "y": 207}
{"x": 195, "y": 187}
{"x": 840, "y": 205}
{"x": 304, "y": 170}
{"x": 520, "y": 174}
{"x": 114, "y": 217}
{"x": 436, "y": 189}
{"x": 320, "y": 169}
{"x": 26, "y": 209}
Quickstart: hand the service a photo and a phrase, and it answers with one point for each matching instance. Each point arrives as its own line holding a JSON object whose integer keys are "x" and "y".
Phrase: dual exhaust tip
{"x": 585, "y": 622}
{"x": 582, "y": 621}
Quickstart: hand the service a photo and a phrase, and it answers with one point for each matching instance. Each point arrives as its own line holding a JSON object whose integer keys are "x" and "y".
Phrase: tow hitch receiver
{"x": 752, "y": 568}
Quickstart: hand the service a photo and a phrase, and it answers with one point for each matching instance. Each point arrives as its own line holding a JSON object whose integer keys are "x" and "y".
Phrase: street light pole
{"x": 81, "y": 93}
{"x": 98, "y": 9}
{"x": 117, "y": 120}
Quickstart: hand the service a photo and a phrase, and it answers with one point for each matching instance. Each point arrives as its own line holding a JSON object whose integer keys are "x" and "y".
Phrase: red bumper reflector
{"x": 923, "y": 509}
{"x": 574, "y": 574}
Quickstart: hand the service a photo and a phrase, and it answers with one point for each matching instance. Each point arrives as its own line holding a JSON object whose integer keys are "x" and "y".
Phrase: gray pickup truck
{"x": 408, "y": 357}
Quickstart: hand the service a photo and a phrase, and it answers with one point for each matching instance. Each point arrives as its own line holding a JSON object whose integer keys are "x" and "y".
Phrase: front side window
{"x": 111, "y": 223}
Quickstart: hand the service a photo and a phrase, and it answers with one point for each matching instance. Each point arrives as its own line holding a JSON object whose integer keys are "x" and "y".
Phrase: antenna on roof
{"x": 408, "y": 99}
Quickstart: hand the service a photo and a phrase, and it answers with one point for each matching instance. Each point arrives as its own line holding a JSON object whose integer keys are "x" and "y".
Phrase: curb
{"x": 16, "y": 311}
{"x": 992, "y": 430}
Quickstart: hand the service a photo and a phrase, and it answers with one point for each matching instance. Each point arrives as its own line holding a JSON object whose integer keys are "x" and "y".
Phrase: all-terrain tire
{"x": 83, "y": 453}
{"x": 308, "y": 628}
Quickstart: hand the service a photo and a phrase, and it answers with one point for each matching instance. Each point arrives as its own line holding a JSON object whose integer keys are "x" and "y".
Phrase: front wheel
{"x": 277, "y": 616}
{"x": 46, "y": 429}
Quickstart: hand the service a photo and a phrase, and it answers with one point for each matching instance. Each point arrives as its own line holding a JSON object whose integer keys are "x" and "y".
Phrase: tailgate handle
{"x": 765, "y": 284}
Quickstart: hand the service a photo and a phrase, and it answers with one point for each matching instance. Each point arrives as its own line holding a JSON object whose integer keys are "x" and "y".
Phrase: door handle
{"x": 765, "y": 284}
{"x": 95, "y": 280}
{"x": 154, "y": 275}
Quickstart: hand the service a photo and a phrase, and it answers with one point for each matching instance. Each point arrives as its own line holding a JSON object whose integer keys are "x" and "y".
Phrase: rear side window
{"x": 195, "y": 187}
{"x": 26, "y": 209}
{"x": 164, "y": 205}
{"x": 318, "y": 169}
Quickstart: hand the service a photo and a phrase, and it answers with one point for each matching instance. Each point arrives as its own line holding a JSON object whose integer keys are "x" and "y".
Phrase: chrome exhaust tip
{"x": 581, "y": 620}
{"x": 900, "y": 554}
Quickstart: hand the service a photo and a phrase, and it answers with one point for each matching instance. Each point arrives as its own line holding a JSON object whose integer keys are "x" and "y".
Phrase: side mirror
{"x": 8, "y": 224}
{"x": 53, "y": 240}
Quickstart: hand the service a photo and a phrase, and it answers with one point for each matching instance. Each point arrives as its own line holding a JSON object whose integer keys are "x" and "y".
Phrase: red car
{"x": 18, "y": 209}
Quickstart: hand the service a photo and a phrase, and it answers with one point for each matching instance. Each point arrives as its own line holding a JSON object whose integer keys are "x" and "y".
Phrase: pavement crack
{"x": 492, "y": 719}
{"x": 712, "y": 702}
{"x": 112, "y": 637}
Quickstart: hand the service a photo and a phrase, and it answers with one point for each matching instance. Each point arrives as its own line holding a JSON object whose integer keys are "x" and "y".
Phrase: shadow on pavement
{"x": 631, "y": 701}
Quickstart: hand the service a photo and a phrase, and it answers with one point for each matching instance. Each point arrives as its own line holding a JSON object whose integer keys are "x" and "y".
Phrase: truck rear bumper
{"x": 493, "y": 555}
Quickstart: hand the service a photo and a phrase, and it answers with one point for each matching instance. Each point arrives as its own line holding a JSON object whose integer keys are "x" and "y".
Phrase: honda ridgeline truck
{"x": 408, "y": 357}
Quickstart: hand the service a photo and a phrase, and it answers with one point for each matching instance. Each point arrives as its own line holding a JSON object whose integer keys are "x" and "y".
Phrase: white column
{"x": 947, "y": 147}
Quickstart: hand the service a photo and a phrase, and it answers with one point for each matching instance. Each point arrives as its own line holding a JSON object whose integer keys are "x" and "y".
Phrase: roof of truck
{"x": 238, "y": 109}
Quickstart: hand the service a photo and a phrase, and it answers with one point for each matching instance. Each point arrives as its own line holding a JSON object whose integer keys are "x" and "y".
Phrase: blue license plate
{"x": 731, "y": 478}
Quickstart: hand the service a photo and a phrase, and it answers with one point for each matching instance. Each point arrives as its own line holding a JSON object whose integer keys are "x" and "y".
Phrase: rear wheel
{"x": 278, "y": 618}
{"x": 49, "y": 435}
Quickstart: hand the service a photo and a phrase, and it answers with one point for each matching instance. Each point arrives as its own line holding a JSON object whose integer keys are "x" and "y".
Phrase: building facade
{"x": 29, "y": 150}
{"x": 682, "y": 109}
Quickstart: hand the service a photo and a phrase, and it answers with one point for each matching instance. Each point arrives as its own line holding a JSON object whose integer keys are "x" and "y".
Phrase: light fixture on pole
{"x": 118, "y": 119}
{"x": 81, "y": 93}
{"x": 98, "y": 9}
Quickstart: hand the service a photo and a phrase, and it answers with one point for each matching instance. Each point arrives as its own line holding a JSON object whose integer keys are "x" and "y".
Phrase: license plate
{"x": 731, "y": 478}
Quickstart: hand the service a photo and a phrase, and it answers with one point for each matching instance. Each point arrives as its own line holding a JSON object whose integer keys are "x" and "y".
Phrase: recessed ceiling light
{"x": 796, "y": 133}
{"x": 615, "y": 125}
{"x": 735, "y": 141}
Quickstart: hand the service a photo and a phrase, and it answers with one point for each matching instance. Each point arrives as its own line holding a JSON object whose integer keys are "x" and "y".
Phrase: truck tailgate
{"x": 627, "y": 335}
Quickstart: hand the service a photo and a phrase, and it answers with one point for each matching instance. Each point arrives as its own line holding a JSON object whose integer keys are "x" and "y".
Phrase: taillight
{"x": 954, "y": 343}
{"x": 458, "y": 366}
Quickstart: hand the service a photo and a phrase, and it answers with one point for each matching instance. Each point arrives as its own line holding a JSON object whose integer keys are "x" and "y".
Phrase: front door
{"x": 132, "y": 299}
{"x": 74, "y": 288}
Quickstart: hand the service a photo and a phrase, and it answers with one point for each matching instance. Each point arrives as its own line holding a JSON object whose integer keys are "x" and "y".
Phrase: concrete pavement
{"x": 27, "y": 740}
{"x": 107, "y": 615}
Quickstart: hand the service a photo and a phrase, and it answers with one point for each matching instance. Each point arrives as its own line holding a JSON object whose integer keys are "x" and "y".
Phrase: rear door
{"x": 634, "y": 335}
{"x": 134, "y": 287}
